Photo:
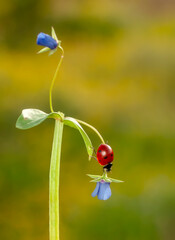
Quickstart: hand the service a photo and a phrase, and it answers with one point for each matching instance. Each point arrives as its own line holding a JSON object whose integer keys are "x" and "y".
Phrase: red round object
{"x": 105, "y": 154}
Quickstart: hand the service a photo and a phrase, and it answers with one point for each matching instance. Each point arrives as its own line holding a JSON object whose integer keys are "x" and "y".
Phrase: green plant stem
{"x": 54, "y": 77}
{"x": 94, "y": 129}
{"x": 54, "y": 181}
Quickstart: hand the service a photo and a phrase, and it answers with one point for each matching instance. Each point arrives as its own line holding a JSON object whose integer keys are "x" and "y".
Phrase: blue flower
{"x": 102, "y": 190}
{"x": 46, "y": 41}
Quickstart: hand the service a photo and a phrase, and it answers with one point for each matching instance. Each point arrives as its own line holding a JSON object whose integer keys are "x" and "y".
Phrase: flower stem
{"x": 54, "y": 77}
{"x": 94, "y": 129}
{"x": 54, "y": 181}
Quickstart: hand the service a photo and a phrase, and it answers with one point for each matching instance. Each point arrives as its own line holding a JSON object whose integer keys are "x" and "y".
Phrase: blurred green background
{"x": 118, "y": 75}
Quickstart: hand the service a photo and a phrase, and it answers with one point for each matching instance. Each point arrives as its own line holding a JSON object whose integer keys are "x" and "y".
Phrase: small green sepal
{"x": 98, "y": 178}
{"x": 94, "y": 176}
{"x": 54, "y": 34}
{"x": 45, "y": 49}
{"x": 52, "y": 51}
{"x": 55, "y": 37}
{"x": 115, "y": 180}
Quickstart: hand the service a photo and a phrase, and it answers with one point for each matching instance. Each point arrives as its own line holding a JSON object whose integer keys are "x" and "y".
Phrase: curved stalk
{"x": 94, "y": 129}
{"x": 54, "y": 77}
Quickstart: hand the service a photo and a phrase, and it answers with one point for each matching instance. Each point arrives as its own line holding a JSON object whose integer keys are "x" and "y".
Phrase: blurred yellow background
{"x": 118, "y": 75}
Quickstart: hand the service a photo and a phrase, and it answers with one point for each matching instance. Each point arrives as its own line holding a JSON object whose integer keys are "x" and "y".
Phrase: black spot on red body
{"x": 105, "y": 154}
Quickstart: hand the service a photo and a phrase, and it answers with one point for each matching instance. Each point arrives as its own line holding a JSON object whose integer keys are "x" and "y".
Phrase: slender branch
{"x": 94, "y": 129}
{"x": 54, "y": 181}
{"x": 54, "y": 77}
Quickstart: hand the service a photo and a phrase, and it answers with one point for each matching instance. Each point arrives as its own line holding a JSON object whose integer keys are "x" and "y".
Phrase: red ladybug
{"x": 105, "y": 156}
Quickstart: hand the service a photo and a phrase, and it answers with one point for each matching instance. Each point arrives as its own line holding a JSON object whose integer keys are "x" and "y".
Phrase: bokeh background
{"x": 118, "y": 75}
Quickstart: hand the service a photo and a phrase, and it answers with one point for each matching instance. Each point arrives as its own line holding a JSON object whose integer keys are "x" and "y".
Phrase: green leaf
{"x": 45, "y": 49}
{"x": 71, "y": 122}
{"x": 30, "y": 118}
{"x": 54, "y": 35}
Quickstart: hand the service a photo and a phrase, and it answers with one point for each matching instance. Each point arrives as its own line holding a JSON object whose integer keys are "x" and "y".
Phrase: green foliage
{"x": 71, "y": 122}
{"x": 32, "y": 117}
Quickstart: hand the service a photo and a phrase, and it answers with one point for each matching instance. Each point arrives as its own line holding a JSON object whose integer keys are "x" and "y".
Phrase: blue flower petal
{"x": 95, "y": 192}
{"x": 46, "y": 41}
{"x": 104, "y": 191}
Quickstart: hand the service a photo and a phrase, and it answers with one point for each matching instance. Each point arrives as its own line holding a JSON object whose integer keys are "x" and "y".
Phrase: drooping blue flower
{"x": 46, "y": 41}
{"x": 102, "y": 190}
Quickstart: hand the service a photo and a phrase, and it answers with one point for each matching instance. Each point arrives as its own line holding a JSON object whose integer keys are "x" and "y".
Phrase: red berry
{"x": 105, "y": 154}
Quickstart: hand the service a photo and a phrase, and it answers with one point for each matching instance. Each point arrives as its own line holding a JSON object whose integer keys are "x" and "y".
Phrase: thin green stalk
{"x": 54, "y": 181}
{"x": 54, "y": 77}
{"x": 94, "y": 129}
